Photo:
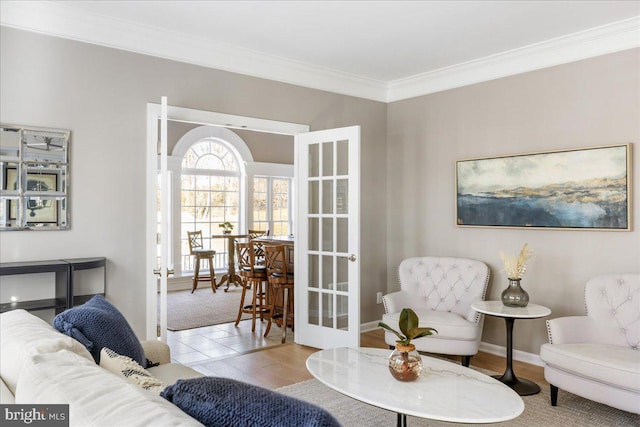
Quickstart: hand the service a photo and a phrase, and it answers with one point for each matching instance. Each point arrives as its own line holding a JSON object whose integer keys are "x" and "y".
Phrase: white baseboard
{"x": 369, "y": 326}
{"x": 498, "y": 350}
{"x": 521, "y": 356}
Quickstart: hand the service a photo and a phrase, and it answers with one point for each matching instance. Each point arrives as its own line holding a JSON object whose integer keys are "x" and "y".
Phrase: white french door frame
{"x": 327, "y": 256}
{"x": 154, "y": 114}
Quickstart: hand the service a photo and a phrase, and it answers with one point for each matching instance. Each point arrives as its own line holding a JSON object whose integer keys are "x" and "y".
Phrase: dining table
{"x": 275, "y": 240}
{"x": 231, "y": 277}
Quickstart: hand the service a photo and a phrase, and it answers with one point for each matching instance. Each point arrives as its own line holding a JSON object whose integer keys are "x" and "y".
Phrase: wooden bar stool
{"x": 196, "y": 249}
{"x": 281, "y": 282}
{"x": 253, "y": 277}
{"x": 259, "y": 246}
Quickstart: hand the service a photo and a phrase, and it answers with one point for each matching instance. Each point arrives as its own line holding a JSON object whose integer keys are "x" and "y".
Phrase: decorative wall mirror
{"x": 34, "y": 178}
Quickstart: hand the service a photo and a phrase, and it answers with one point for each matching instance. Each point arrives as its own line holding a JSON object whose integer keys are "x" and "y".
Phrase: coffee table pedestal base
{"x": 402, "y": 420}
{"x": 521, "y": 386}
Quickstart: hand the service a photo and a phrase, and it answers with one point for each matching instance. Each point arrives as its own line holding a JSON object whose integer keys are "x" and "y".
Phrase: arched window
{"x": 210, "y": 193}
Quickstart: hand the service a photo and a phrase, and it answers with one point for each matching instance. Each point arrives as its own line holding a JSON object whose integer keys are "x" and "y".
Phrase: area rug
{"x": 186, "y": 310}
{"x": 571, "y": 410}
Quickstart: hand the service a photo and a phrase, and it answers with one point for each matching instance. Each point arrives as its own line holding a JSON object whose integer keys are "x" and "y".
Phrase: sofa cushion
{"x": 23, "y": 335}
{"x": 97, "y": 324}
{"x": 95, "y": 396}
{"x": 615, "y": 365}
{"x": 225, "y": 402}
{"x": 448, "y": 324}
{"x": 172, "y": 372}
{"x": 131, "y": 370}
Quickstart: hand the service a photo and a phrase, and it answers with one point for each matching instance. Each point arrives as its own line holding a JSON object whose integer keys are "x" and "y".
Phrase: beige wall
{"x": 101, "y": 95}
{"x": 582, "y": 104}
{"x": 408, "y": 149}
{"x": 264, "y": 147}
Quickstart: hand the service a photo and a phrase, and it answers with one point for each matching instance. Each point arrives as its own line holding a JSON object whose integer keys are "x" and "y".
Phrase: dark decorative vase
{"x": 514, "y": 295}
{"x": 405, "y": 363}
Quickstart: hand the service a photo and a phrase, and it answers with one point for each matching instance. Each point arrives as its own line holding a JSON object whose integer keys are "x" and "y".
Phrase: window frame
{"x": 270, "y": 221}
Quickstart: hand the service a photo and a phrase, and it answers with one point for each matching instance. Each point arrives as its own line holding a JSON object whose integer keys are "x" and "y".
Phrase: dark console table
{"x": 64, "y": 272}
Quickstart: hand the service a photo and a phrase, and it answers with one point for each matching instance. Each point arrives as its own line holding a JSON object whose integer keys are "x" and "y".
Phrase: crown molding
{"x": 67, "y": 22}
{"x": 615, "y": 37}
{"x": 57, "y": 20}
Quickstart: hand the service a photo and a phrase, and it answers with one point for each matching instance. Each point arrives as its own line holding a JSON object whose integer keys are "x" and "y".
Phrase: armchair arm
{"x": 571, "y": 329}
{"x": 394, "y": 302}
{"x": 156, "y": 351}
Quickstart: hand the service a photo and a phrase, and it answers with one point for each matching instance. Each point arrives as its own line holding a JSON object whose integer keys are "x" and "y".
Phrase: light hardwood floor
{"x": 284, "y": 364}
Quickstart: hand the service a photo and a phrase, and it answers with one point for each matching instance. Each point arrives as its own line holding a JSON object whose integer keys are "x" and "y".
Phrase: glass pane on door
{"x": 327, "y": 272}
{"x": 314, "y": 309}
{"x": 314, "y": 160}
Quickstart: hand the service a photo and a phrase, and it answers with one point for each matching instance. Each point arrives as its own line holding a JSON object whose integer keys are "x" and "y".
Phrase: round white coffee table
{"x": 532, "y": 311}
{"x": 445, "y": 390}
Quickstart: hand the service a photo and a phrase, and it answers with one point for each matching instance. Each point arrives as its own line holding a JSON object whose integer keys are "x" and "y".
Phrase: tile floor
{"x": 197, "y": 347}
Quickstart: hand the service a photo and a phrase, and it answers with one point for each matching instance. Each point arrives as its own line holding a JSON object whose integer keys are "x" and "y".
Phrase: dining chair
{"x": 281, "y": 282}
{"x": 253, "y": 277}
{"x": 197, "y": 249}
{"x": 259, "y": 246}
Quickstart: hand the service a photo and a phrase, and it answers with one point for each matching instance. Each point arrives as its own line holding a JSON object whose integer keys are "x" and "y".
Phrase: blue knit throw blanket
{"x": 97, "y": 324}
{"x": 225, "y": 402}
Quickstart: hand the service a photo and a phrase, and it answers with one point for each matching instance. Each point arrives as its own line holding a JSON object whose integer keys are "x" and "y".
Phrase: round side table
{"x": 532, "y": 311}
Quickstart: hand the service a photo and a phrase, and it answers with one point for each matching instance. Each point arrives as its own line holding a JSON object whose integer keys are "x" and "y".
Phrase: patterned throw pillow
{"x": 130, "y": 369}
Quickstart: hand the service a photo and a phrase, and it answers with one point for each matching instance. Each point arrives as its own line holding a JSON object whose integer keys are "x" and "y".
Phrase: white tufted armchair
{"x": 597, "y": 356}
{"x": 440, "y": 290}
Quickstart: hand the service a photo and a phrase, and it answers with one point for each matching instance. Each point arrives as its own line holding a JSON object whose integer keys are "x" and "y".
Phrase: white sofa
{"x": 440, "y": 290}
{"x": 597, "y": 356}
{"x": 39, "y": 365}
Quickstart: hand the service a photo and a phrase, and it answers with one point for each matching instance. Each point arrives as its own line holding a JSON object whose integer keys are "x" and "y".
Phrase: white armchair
{"x": 596, "y": 356}
{"x": 440, "y": 290}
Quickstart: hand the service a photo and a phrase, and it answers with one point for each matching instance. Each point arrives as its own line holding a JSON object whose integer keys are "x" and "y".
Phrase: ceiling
{"x": 374, "y": 49}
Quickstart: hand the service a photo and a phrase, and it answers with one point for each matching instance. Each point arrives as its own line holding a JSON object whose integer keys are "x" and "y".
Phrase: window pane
{"x": 342, "y": 157}
{"x": 314, "y": 308}
{"x": 327, "y": 159}
{"x": 208, "y": 199}
{"x": 327, "y": 197}
{"x": 327, "y": 310}
{"x": 314, "y": 160}
{"x": 259, "y": 185}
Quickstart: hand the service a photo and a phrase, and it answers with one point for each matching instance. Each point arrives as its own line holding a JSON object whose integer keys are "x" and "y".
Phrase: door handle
{"x": 156, "y": 271}
{"x": 352, "y": 258}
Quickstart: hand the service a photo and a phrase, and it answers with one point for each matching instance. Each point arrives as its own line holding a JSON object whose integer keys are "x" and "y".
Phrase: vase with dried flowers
{"x": 515, "y": 266}
{"x": 405, "y": 363}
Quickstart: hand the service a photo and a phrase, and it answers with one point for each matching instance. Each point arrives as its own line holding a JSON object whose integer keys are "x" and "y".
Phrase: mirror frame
{"x": 34, "y": 178}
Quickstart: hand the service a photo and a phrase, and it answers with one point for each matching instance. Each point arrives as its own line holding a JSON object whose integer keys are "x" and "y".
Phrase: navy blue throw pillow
{"x": 225, "y": 402}
{"x": 97, "y": 324}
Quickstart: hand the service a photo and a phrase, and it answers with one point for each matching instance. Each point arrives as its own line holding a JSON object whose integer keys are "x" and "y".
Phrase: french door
{"x": 327, "y": 247}
{"x": 158, "y": 214}
{"x": 327, "y": 276}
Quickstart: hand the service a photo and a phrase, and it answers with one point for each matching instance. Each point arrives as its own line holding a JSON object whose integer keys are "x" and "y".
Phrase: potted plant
{"x": 227, "y": 227}
{"x": 405, "y": 363}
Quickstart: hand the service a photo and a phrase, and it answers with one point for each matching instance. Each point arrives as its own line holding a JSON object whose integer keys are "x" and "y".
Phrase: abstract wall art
{"x": 586, "y": 188}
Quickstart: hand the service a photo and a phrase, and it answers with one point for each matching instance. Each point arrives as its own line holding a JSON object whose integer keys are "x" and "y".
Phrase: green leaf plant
{"x": 226, "y": 226}
{"x": 409, "y": 327}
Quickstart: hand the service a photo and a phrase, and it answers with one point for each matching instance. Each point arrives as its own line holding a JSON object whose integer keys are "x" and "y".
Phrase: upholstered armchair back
{"x": 613, "y": 305}
{"x": 445, "y": 284}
